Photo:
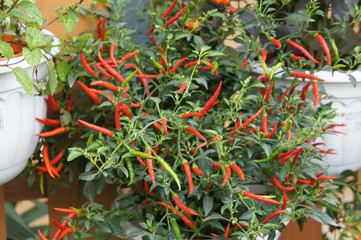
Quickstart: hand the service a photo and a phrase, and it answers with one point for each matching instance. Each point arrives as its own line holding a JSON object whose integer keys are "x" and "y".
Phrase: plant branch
{"x": 57, "y": 18}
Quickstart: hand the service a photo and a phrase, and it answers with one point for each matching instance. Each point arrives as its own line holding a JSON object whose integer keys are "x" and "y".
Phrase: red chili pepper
{"x": 238, "y": 170}
{"x": 70, "y": 103}
{"x": 164, "y": 125}
{"x": 147, "y": 76}
{"x": 250, "y": 129}
{"x": 66, "y": 231}
{"x": 269, "y": 91}
{"x": 67, "y": 210}
{"x": 304, "y": 51}
{"x": 97, "y": 128}
{"x": 227, "y": 230}
{"x": 170, "y": 207}
{"x": 129, "y": 55}
{"x": 183, "y": 207}
{"x": 227, "y": 176}
{"x": 326, "y": 178}
{"x": 58, "y": 225}
{"x": 166, "y": 13}
{"x": 41, "y": 235}
{"x": 54, "y": 103}
{"x": 91, "y": 94}
{"x": 86, "y": 65}
{"x": 186, "y": 221}
{"x": 295, "y": 158}
{"x": 245, "y": 63}
{"x": 279, "y": 186}
{"x": 150, "y": 33}
{"x": 210, "y": 102}
{"x": 181, "y": 89}
{"x": 46, "y": 160}
{"x": 57, "y": 158}
{"x": 49, "y": 122}
{"x": 246, "y": 123}
{"x": 110, "y": 69}
{"x": 102, "y": 71}
{"x": 263, "y": 76}
{"x": 53, "y": 132}
{"x": 178, "y": 64}
{"x": 136, "y": 105}
{"x": 111, "y": 53}
{"x": 325, "y": 48}
{"x": 304, "y": 90}
{"x": 276, "y": 213}
{"x": 276, "y": 42}
{"x": 150, "y": 166}
{"x": 147, "y": 189}
{"x": 175, "y": 18}
{"x": 232, "y": 11}
{"x": 305, "y": 75}
{"x": 189, "y": 175}
{"x": 187, "y": 115}
{"x": 260, "y": 198}
{"x": 197, "y": 171}
{"x": 264, "y": 56}
{"x": 293, "y": 89}
{"x": 161, "y": 50}
{"x": 98, "y": 27}
{"x": 217, "y": 165}
{"x": 105, "y": 84}
{"x": 195, "y": 132}
{"x": 316, "y": 93}
{"x": 284, "y": 204}
{"x": 297, "y": 58}
{"x": 283, "y": 95}
{"x": 327, "y": 152}
{"x": 102, "y": 38}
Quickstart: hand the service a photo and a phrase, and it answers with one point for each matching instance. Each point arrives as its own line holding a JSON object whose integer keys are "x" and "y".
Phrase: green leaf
{"x": 87, "y": 176}
{"x": 6, "y": 50}
{"x": 33, "y": 10}
{"x": 32, "y": 57}
{"x": 16, "y": 13}
{"x": 24, "y": 79}
{"x": 63, "y": 70}
{"x": 35, "y": 38}
{"x": 300, "y": 16}
{"x": 352, "y": 79}
{"x": 52, "y": 77}
{"x": 74, "y": 153}
{"x": 215, "y": 54}
{"x": 89, "y": 191}
{"x": 321, "y": 216}
{"x": 207, "y": 204}
{"x": 214, "y": 216}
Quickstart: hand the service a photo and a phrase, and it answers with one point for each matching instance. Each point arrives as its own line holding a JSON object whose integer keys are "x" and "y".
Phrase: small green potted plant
{"x": 28, "y": 67}
{"x": 197, "y": 146}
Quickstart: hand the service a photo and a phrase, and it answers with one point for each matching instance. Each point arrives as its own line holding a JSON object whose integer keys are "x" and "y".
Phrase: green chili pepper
{"x": 265, "y": 68}
{"x": 176, "y": 230}
{"x": 169, "y": 170}
{"x": 140, "y": 154}
{"x": 275, "y": 68}
{"x": 130, "y": 170}
{"x": 155, "y": 63}
{"x": 288, "y": 126}
{"x": 41, "y": 183}
{"x": 124, "y": 84}
{"x": 334, "y": 50}
{"x": 186, "y": 15}
{"x": 273, "y": 155}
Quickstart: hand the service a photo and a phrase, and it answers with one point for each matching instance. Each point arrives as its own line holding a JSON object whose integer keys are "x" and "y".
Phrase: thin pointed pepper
{"x": 210, "y": 102}
{"x": 166, "y": 13}
{"x": 246, "y": 123}
{"x": 284, "y": 204}
{"x": 264, "y": 56}
{"x": 195, "y": 132}
{"x": 175, "y": 18}
{"x": 54, "y": 103}
{"x": 150, "y": 167}
{"x": 183, "y": 207}
{"x": 283, "y": 95}
{"x": 41, "y": 235}
{"x": 238, "y": 170}
{"x": 164, "y": 125}
{"x": 91, "y": 94}
{"x": 316, "y": 93}
{"x": 105, "y": 84}
{"x": 197, "y": 171}
{"x": 149, "y": 35}
{"x": 305, "y": 75}
{"x": 269, "y": 91}
{"x": 304, "y": 90}
{"x": 129, "y": 55}
{"x": 182, "y": 88}
{"x": 276, "y": 213}
{"x": 260, "y": 198}
{"x": 227, "y": 230}
{"x": 66, "y": 231}
{"x": 227, "y": 176}
{"x": 325, "y": 48}
{"x": 245, "y": 63}
{"x": 110, "y": 69}
{"x": 279, "y": 186}
{"x": 70, "y": 103}
{"x": 303, "y": 50}
{"x": 67, "y": 210}
{"x": 276, "y": 42}
{"x": 97, "y": 128}
{"x": 186, "y": 221}
{"x": 187, "y": 115}
{"x": 111, "y": 53}
{"x": 102, "y": 71}
{"x": 169, "y": 170}
{"x": 49, "y": 122}
{"x": 189, "y": 175}
{"x": 297, "y": 58}
{"x": 58, "y": 225}
{"x": 178, "y": 64}
{"x": 86, "y": 65}
{"x": 46, "y": 160}
{"x": 53, "y": 132}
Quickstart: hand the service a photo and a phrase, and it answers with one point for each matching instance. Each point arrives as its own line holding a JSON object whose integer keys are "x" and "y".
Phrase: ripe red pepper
{"x": 189, "y": 175}
{"x": 305, "y": 75}
{"x": 227, "y": 230}
{"x": 238, "y": 170}
{"x": 66, "y": 231}
{"x": 136, "y": 105}
{"x": 102, "y": 71}
{"x": 269, "y": 91}
{"x": 183, "y": 207}
{"x": 164, "y": 125}
{"x": 175, "y": 18}
{"x": 54, "y": 103}
{"x": 246, "y": 123}
{"x": 276, "y": 213}
{"x": 304, "y": 90}
{"x": 279, "y": 186}
{"x": 147, "y": 76}
{"x": 86, "y": 65}
{"x": 67, "y": 210}
{"x": 41, "y": 235}
{"x": 150, "y": 166}
{"x": 147, "y": 189}
{"x": 166, "y": 13}
{"x": 129, "y": 55}
{"x": 260, "y": 198}
{"x": 58, "y": 225}
{"x": 187, "y": 115}
{"x": 178, "y": 64}
{"x": 111, "y": 53}
{"x": 316, "y": 93}
{"x": 196, "y": 170}
{"x": 49, "y": 122}
{"x": 210, "y": 102}
{"x": 297, "y": 58}
{"x": 170, "y": 207}
{"x": 245, "y": 63}
{"x": 110, "y": 69}
{"x": 182, "y": 88}
{"x": 195, "y": 132}
{"x": 304, "y": 51}
{"x": 284, "y": 204}
{"x": 46, "y": 160}
{"x": 105, "y": 84}
{"x": 325, "y": 48}
{"x": 264, "y": 56}
{"x": 295, "y": 158}
{"x": 293, "y": 89}
{"x": 276, "y": 42}
{"x": 217, "y": 165}
{"x": 283, "y": 95}
{"x": 227, "y": 176}
{"x": 91, "y": 94}
{"x": 53, "y": 132}
{"x": 149, "y": 35}
{"x": 186, "y": 221}
{"x": 97, "y": 128}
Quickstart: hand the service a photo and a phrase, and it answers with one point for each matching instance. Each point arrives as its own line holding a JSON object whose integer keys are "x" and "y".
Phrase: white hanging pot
{"x": 347, "y": 100}
{"x": 18, "y": 110}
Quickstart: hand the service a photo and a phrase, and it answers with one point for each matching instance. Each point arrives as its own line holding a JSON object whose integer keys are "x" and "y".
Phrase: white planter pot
{"x": 347, "y": 100}
{"x": 18, "y": 126}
